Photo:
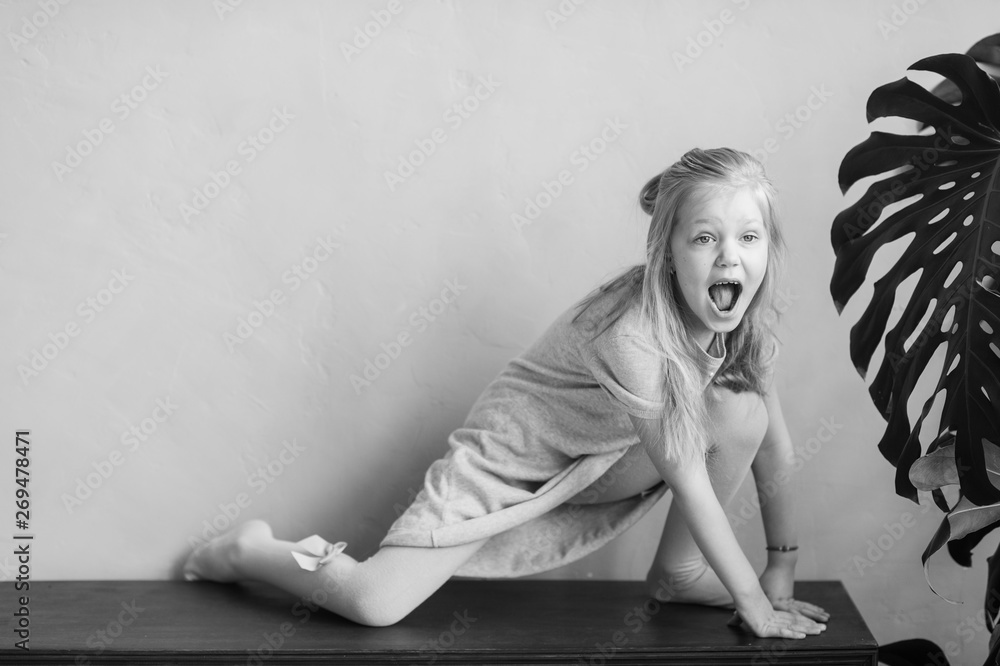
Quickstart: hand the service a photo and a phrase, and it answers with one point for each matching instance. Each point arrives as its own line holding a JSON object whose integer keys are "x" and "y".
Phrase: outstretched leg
{"x": 737, "y": 423}
{"x": 378, "y": 591}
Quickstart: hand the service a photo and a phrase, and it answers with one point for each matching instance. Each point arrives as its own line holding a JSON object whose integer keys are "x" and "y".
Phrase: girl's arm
{"x": 708, "y": 524}
{"x": 772, "y": 471}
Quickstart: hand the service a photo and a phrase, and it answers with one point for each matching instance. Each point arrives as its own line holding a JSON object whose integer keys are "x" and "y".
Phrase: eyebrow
{"x": 710, "y": 220}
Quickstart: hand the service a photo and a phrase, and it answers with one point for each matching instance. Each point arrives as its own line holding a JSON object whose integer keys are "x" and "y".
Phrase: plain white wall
{"x": 200, "y": 83}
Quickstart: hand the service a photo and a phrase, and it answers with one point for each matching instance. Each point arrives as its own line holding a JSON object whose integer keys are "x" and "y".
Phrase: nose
{"x": 728, "y": 254}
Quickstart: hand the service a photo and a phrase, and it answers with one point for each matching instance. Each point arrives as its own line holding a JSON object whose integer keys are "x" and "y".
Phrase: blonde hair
{"x": 663, "y": 315}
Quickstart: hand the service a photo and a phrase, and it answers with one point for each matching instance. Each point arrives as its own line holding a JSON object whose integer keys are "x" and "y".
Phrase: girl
{"x": 660, "y": 379}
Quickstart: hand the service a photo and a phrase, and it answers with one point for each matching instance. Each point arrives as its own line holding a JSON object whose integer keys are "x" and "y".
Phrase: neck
{"x": 705, "y": 339}
{"x": 701, "y": 335}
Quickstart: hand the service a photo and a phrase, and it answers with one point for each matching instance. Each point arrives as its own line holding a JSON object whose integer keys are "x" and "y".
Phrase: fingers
{"x": 799, "y": 623}
{"x": 811, "y": 611}
{"x": 789, "y": 625}
{"x": 779, "y": 625}
{"x": 783, "y": 624}
{"x": 786, "y": 633}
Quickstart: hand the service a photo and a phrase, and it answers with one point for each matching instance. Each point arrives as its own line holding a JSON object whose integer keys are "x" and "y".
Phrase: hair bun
{"x": 647, "y": 198}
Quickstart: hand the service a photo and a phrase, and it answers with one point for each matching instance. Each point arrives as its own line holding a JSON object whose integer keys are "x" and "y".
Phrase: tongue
{"x": 723, "y": 295}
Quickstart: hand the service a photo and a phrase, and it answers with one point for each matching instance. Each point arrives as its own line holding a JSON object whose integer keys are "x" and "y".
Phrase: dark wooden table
{"x": 466, "y": 622}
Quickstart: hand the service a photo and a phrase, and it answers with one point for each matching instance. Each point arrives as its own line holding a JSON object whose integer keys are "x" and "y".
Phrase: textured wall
{"x": 258, "y": 261}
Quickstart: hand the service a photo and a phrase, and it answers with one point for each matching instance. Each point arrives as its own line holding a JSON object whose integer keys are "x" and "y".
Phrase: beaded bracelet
{"x": 782, "y": 549}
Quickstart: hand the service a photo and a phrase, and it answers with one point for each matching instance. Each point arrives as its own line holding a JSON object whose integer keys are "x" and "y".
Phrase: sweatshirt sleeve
{"x": 630, "y": 371}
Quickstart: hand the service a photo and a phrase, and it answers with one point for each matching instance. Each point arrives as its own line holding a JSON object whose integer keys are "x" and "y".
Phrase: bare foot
{"x": 216, "y": 560}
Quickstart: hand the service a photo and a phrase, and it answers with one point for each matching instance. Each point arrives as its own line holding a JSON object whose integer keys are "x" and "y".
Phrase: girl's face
{"x": 719, "y": 250}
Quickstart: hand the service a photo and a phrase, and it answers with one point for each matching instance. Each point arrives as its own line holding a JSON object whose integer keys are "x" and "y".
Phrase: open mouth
{"x": 725, "y": 294}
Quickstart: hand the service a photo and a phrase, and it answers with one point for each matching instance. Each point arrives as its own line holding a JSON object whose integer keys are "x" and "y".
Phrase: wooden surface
{"x": 487, "y": 622}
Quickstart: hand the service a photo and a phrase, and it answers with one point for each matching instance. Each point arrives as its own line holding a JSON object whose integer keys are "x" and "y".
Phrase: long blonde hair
{"x": 663, "y": 315}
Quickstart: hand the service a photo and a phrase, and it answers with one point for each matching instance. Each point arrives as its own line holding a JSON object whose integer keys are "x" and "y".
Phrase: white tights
{"x": 387, "y": 586}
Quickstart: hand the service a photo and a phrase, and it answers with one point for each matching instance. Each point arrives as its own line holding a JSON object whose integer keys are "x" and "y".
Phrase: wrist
{"x": 779, "y": 560}
{"x": 752, "y": 604}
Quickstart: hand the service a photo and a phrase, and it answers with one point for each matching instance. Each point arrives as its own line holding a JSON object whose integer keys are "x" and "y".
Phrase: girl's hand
{"x": 778, "y": 584}
{"x": 777, "y": 624}
{"x": 803, "y": 608}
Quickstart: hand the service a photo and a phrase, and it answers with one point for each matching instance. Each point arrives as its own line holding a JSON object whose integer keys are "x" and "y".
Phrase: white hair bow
{"x": 321, "y": 552}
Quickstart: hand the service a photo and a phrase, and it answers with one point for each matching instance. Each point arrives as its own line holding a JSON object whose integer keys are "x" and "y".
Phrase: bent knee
{"x": 676, "y": 575}
{"x": 373, "y": 616}
{"x": 365, "y": 600}
{"x": 661, "y": 586}
{"x": 737, "y": 420}
{"x": 373, "y": 611}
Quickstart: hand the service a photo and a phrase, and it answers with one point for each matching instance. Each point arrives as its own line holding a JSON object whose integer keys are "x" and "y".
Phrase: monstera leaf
{"x": 939, "y": 191}
{"x": 986, "y": 52}
{"x": 966, "y": 523}
{"x": 943, "y": 188}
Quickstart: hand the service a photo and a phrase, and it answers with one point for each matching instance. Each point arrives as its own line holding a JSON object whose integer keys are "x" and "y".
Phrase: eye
{"x": 703, "y": 236}
{"x": 751, "y": 236}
